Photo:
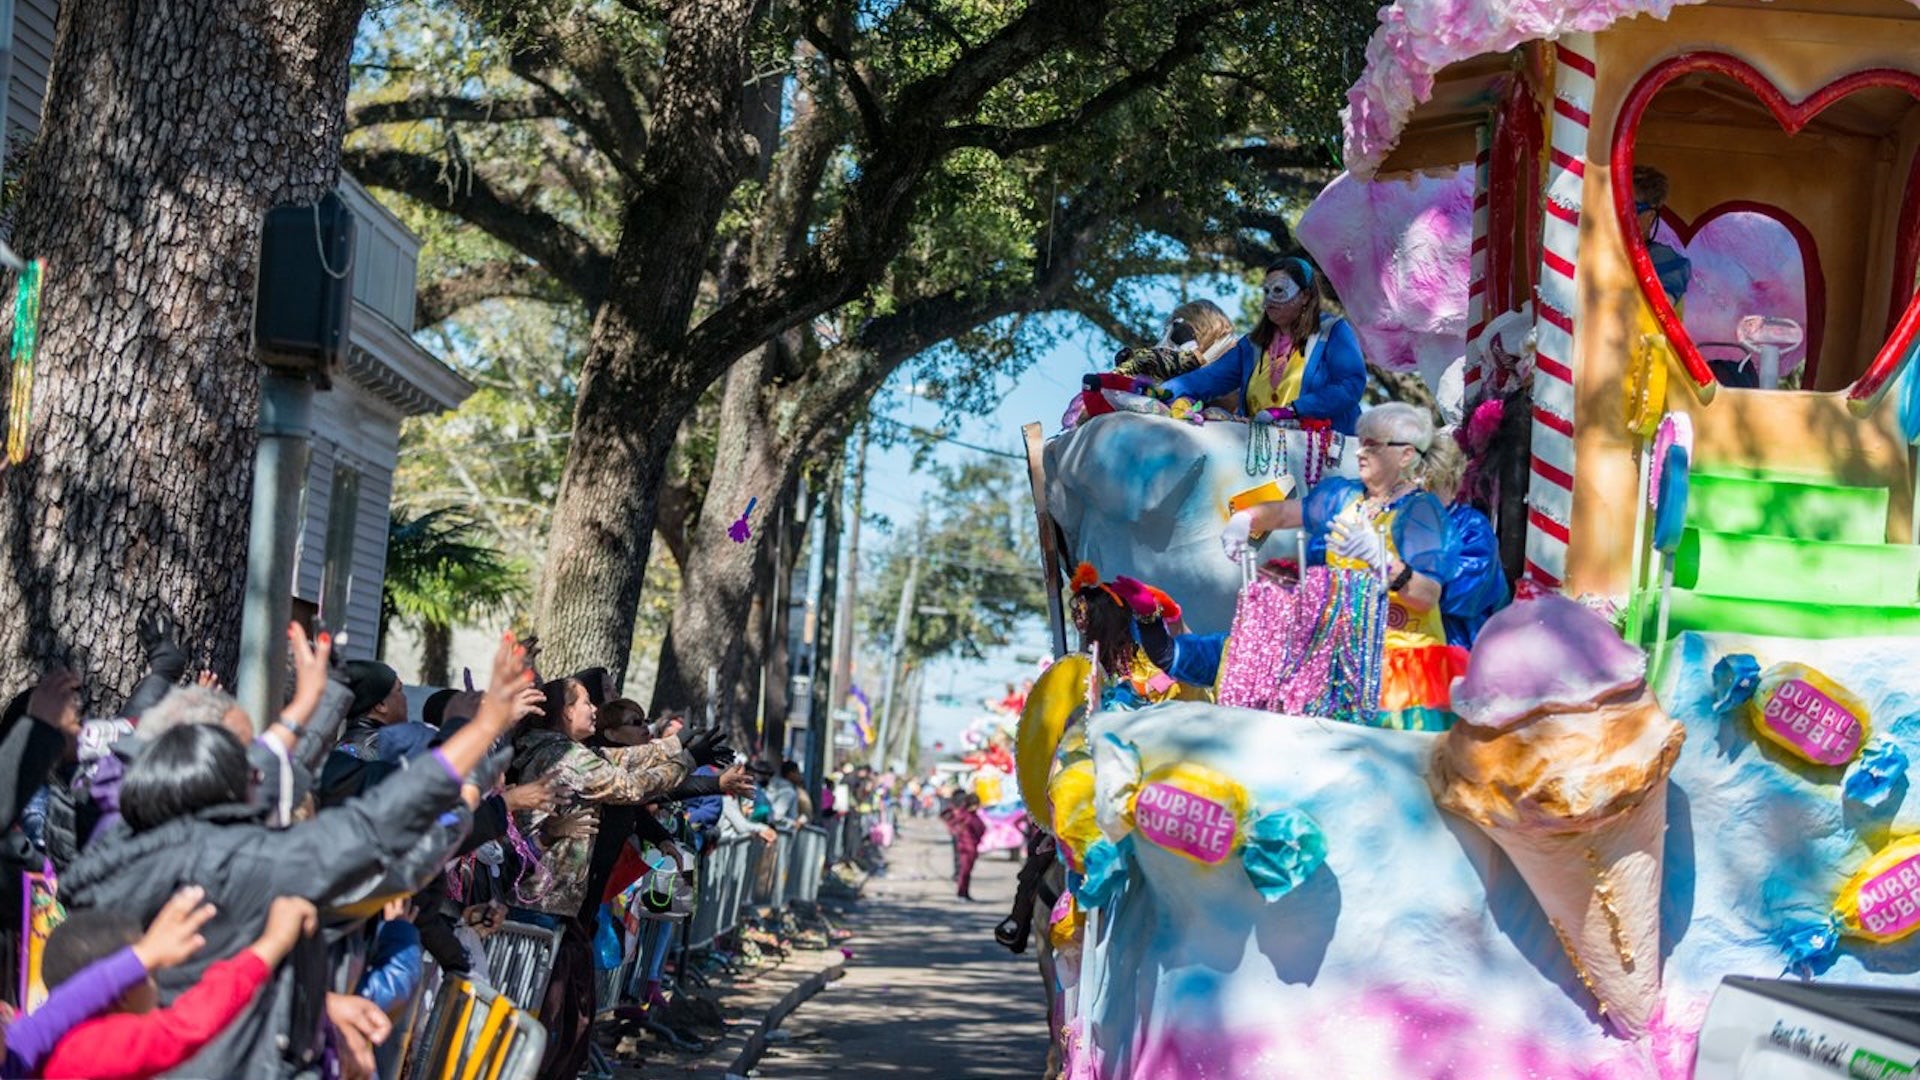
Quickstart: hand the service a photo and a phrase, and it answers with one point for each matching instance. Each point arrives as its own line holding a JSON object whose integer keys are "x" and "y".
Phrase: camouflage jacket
{"x": 563, "y": 838}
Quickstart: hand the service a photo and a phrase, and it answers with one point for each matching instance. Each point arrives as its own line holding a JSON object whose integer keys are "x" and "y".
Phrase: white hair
{"x": 186, "y": 705}
{"x": 1398, "y": 422}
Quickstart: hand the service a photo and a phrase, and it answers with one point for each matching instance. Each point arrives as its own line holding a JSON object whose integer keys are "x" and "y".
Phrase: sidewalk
{"x": 742, "y": 1003}
{"x": 927, "y": 993}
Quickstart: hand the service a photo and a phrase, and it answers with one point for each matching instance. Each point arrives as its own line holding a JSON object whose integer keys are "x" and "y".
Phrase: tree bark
{"x": 776, "y": 665}
{"x": 168, "y": 130}
{"x": 718, "y": 577}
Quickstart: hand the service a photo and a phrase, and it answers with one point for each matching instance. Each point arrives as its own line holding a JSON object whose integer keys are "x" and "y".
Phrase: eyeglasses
{"x": 1376, "y": 445}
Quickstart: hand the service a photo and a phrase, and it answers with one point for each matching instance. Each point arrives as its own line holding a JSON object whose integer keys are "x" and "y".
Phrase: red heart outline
{"x": 1813, "y": 277}
{"x": 1865, "y": 392}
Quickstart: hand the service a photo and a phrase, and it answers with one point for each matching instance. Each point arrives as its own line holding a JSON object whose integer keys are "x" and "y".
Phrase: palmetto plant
{"x": 441, "y": 574}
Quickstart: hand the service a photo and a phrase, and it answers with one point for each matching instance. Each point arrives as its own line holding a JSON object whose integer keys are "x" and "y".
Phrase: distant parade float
{"x": 1658, "y": 261}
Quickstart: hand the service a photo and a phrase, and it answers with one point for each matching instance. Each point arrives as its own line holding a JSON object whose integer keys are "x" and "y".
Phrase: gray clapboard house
{"x": 388, "y": 377}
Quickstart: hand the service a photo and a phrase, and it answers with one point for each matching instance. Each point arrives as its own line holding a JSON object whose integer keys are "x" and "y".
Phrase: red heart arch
{"x": 1813, "y": 278}
{"x": 1791, "y": 116}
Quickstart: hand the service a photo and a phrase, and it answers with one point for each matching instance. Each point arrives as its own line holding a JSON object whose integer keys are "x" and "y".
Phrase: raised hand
{"x": 737, "y": 781}
{"x": 507, "y": 699}
{"x": 529, "y": 701}
{"x": 706, "y": 747}
{"x": 156, "y": 633}
{"x": 288, "y": 920}
{"x": 531, "y": 643}
{"x": 311, "y": 664}
{"x": 1361, "y": 544}
{"x": 362, "y": 1026}
{"x": 174, "y": 934}
{"x": 1237, "y": 538}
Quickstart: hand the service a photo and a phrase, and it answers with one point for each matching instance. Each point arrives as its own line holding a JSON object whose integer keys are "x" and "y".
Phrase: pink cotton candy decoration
{"x": 1399, "y": 254}
{"x": 1417, "y": 38}
{"x": 1549, "y": 654}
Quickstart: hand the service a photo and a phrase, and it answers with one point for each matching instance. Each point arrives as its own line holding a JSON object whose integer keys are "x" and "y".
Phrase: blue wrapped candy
{"x": 1282, "y": 851}
{"x": 1106, "y": 872}
{"x": 1874, "y": 775}
{"x": 1735, "y": 678}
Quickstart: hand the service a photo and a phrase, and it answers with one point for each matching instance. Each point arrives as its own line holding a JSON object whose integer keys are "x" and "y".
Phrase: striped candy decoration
{"x": 1477, "y": 273}
{"x": 1550, "y": 494}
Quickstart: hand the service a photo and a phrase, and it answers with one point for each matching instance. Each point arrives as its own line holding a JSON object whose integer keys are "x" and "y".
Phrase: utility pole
{"x": 897, "y": 648}
{"x": 845, "y": 625}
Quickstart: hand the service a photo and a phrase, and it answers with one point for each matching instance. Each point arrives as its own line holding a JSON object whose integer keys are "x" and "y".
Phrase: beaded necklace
{"x": 1314, "y": 650}
{"x": 1260, "y": 453}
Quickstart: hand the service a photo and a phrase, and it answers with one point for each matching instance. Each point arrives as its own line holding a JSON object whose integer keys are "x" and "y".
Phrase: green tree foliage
{"x": 440, "y": 575}
{"x": 978, "y": 576}
{"x": 896, "y": 176}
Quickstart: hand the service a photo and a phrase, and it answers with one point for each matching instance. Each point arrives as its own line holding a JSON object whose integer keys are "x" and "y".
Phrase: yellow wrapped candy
{"x": 1191, "y": 810}
{"x": 1069, "y": 798}
{"x": 1060, "y": 690}
{"x": 1881, "y": 902}
{"x": 1809, "y": 715}
{"x": 1065, "y": 930}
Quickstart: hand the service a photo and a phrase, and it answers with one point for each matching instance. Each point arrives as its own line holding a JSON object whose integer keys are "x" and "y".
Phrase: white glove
{"x": 1361, "y": 545}
{"x": 1237, "y": 538}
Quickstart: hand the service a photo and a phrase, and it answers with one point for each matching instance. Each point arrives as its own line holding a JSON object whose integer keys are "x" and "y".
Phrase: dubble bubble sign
{"x": 1809, "y": 715}
{"x": 1191, "y": 810}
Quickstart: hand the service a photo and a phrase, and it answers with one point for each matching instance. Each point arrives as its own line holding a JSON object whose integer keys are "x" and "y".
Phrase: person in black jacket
{"x": 187, "y": 819}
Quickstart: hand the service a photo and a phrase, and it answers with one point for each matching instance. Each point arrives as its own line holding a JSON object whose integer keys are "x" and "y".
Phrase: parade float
{"x": 1681, "y": 755}
{"x": 987, "y": 771}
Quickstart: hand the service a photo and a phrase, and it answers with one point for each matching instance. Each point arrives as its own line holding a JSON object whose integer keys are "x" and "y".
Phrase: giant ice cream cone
{"x": 1567, "y": 771}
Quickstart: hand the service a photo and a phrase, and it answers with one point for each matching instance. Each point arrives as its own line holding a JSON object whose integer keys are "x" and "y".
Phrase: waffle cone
{"x": 1601, "y": 886}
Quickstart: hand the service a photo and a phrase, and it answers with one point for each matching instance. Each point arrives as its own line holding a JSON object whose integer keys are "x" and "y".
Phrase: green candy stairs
{"x": 1791, "y": 556}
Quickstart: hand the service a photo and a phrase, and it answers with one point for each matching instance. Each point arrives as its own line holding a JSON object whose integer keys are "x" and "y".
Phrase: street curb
{"x": 757, "y": 1042}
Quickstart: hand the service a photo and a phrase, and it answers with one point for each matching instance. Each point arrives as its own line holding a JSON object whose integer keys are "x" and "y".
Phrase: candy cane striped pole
{"x": 1550, "y": 493}
{"x": 1477, "y": 274}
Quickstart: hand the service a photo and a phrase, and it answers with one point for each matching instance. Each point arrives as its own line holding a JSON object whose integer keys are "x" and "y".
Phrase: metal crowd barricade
{"x": 806, "y": 865}
{"x": 475, "y": 1033}
{"x": 520, "y": 960}
{"x": 717, "y": 889}
{"x": 769, "y": 881}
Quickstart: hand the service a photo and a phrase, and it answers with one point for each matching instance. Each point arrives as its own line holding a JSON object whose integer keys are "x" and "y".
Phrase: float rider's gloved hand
{"x": 1237, "y": 538}
{"x": 1361, "y": 545}
{"x": 1146, "y": 602}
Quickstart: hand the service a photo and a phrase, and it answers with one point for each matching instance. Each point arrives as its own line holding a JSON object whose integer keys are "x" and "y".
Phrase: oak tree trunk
{"x": 639, "y": 376}
{"x": 718, "y": 578}
{"x": 168, "y": 130}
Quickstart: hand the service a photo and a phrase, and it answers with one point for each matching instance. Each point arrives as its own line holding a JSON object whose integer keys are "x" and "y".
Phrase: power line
{"x": 938, "y": 436}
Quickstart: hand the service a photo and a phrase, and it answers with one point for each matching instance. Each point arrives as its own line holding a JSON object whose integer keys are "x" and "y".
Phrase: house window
{"x": 336, "y": 574}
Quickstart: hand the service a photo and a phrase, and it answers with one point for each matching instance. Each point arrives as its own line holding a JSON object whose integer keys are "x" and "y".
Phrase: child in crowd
{"x": 132, "y": 1037}
{"x": 172, "y": 937}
